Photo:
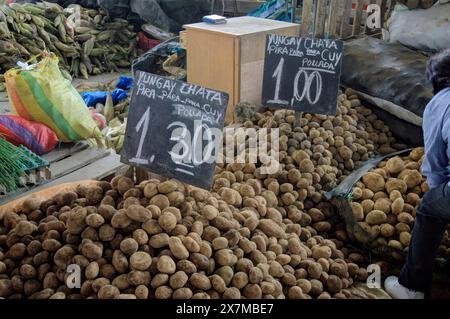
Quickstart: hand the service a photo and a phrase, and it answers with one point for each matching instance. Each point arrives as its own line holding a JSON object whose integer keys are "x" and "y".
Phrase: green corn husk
{"x": 97, "y": 44}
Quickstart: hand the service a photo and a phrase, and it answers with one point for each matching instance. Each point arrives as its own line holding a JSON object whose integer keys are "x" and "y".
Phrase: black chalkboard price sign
{"x": 175, "y": 129}
{"x": 302, "y": 74}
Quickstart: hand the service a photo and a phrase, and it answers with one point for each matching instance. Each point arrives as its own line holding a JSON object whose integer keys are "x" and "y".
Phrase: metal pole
{"x": 294, "y": 9}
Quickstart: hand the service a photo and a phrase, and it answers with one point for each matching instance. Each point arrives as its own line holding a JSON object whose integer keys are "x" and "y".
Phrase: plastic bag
{"x": 92, "y": 98}
{"x": 427, "y": 30}
{"x": 41, "y": 93}
{"x": 37, "y": 137}
{"x": 125, "y": 83}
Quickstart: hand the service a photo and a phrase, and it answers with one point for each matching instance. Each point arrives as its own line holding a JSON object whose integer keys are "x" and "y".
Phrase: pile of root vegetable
{"x": 92, "y": 44}
{"x": 253, "y": 236}
{"x": 385, "y": 203}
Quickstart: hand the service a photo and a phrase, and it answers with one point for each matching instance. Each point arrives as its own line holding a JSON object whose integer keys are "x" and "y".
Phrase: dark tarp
{"x": 392, "y": 77}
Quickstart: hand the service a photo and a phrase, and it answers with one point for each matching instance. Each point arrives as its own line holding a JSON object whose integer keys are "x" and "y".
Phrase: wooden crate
{"x": 72, "y": 163}
{"x": 230, "y": 57}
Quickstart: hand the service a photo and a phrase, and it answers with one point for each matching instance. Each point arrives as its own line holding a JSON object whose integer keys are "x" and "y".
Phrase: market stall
{"x": 149, "y": 199}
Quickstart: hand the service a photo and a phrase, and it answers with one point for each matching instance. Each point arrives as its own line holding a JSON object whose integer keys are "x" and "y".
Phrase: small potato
{"x": 51, "y": 245}
{"x": 120, "y": 220}
{"x": 405, "y": 238}
{"x": 159, "y": 240}
{"x": 137, "y": 278}
{"x": 150, "y": 190}
{"x": 94, "y": 195}
{"x": 225, "y": 257}
{"x": 271, "y": 228}
{"x": 405, "y": 218}
{"x": 167, "y": 187}
{"x": 161, "y": 201}
{"x": 140, "y": 236}
{"x": 159, "y": 280}
{"x": 321, "y": 252}
{"x": 374, "y": 182}
{"x": 129, "y": 246}
{"x": 106, "y": 233}
{"x": 305, "y": 285}
{"x": 95, "y": 220}
{"x": 166, "y": 265}
{"x": 124, "y": 184}
{"x": 141, "y": 292}
{"x": 121, "y": 282}
{"x": 358, "y": 211}
{"x": 138, "y": 213}
{"x": 92, "y": 271}
{"x": 25, "y": 228}
{"x": 167, "y": 221}
{"x": 218, "y": 283}
{"x": 376, "y": 217}
{"x": 177, "y": 248}
{"x": 108, "y": 292}
{"x": 383, "y": 204}
{"x": 178, "y": 280}
{"x": 240, "y": 280}
{"x": 182, "y": 293}
{"x": 387, "y": 230}
{"x": 232, "y": 293}
{"x": 140, "y": 261}
{"x": 210, "y": 212}
{"x": 252, "y": 291}
{"x": 200, "y": 281}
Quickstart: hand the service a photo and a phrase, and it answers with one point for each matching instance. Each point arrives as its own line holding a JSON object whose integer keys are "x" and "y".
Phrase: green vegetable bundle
{"x": 15, "y": 162}
{"x": 86, "y": 41}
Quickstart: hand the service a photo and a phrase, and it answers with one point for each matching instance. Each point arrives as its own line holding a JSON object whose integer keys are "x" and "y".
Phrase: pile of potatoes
{"x": 167, "y": 240}
{"x": 385, "y": 203}
{"x": 317, "y": 152}
{"x": 253, "y": 236}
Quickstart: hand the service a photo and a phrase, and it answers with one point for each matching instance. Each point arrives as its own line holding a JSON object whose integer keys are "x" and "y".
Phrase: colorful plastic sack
{"x": 40, "y": 93}
{"x": 37, "y": 137}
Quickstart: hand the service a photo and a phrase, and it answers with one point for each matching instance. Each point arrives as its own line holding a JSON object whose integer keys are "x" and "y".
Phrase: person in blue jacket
{"x": 433, "y": 214}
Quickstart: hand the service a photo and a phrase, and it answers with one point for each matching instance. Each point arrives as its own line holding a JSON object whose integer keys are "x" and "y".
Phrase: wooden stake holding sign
{"x": 302, "y": 74}
{"x": 175, "y": 129}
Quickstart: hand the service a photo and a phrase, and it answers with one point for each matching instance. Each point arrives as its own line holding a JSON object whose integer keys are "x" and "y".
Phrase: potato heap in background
{"x": 320, "y": 151}
{"x": 385, "y": 203}
{"x": 166, "y": 240}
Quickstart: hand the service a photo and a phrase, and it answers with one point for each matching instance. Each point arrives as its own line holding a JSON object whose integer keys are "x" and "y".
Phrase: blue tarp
{"x": 92, "y": 98}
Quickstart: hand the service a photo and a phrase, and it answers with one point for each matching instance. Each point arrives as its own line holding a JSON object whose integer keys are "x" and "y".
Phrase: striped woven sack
{"x": 41, "y": 93}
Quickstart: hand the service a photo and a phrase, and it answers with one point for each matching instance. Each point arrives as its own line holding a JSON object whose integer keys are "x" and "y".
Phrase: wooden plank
{"x": 321, "y": 13}
{"x": 307, "y": 17}
{"x": 77, "y": 161}
{"x": 65, "y": 150}
{"x": 96, "y": 171}
{"x": 358, "y": 16}
{"x": 345, "y": 23}
{"x": 332, "y": 18}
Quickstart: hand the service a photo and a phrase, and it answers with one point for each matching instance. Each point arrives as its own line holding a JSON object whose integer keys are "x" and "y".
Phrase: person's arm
{"x": 436, "y": 136}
